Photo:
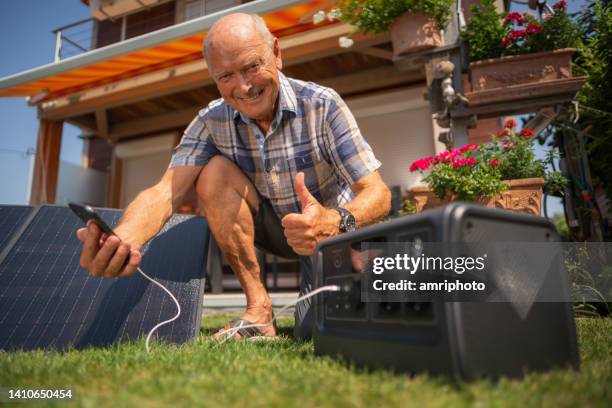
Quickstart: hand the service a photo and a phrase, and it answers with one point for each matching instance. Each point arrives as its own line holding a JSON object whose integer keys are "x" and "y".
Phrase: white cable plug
{"x": 234, "y": 330}
{"x": 178, "y": 311}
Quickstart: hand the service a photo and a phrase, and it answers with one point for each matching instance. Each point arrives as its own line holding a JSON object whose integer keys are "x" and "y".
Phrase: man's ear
{"x": 278, "y": 61}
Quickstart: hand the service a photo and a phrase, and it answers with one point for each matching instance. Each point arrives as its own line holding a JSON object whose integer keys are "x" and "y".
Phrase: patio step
{"x": 237, "y": 301}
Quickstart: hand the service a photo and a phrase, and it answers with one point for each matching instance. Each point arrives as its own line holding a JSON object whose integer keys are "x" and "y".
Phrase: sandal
{"x": 235, "y": 327}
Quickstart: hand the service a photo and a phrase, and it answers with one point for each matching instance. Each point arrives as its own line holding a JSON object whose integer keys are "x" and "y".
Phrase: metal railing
{"x": 74, "y": 39}
{"x": 82, "y": 36}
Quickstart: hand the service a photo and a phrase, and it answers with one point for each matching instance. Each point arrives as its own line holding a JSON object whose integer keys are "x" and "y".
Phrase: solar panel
{"x": 48, "y": 301}
{"x": 11, "y": 218}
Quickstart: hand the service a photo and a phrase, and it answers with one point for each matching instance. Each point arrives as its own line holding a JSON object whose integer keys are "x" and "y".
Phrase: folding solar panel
{"x": 48, "y": 301}
{"x": 11, "y": 218}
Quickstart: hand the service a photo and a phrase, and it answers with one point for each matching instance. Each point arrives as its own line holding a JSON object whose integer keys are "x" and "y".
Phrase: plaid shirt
{"x": 313, "y": 132}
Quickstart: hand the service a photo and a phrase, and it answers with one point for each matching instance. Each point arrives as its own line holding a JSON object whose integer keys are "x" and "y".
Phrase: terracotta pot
{"x": 521, "y": 69}
{"x": 412, "y": 32}
{"x": 524, "y": 195}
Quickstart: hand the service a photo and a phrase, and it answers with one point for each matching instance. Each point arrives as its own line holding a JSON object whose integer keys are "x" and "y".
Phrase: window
{"x": 199, "y": 8}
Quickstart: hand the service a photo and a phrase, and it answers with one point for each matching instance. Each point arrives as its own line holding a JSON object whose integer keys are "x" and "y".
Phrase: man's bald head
{"x": 237, "y": 27}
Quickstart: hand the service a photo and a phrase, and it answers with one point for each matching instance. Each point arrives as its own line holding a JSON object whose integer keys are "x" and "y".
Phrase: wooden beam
{"x": 46, "y": 162}
{"x": 123, "y": 93}
{"x": 113, "y": 182}
{"x": 86, "y": 122}
{"x": 102, "y": 123}
{"x": 376, "y": 52}
{"x": 153, "y": 124}
{"x": 371, "y": 79}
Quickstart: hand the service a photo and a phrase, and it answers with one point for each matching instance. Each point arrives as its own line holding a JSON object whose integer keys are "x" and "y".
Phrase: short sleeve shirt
{"x": 312, "y": 132}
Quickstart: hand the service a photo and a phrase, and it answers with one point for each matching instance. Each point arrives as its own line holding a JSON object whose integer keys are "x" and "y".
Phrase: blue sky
{"x": 26, "y": 41}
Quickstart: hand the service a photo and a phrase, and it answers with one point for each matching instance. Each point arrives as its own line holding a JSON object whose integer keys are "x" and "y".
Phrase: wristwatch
{"x": 347, "y": 220}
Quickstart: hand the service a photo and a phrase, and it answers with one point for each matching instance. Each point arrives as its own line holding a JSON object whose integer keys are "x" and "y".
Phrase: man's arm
{"x": 372, "y": 203}
{"x": 142, "y": 219}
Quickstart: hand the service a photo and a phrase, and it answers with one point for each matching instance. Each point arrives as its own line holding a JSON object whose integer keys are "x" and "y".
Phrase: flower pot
{"x": 527, "y": 76}
{"x": 412, "y": 32}
{"x": 524, "y": 195}
{"x": 521, "y": 69}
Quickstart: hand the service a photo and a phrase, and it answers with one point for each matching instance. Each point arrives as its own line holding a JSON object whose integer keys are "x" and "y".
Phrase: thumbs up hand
{"x": 315, "y": 222}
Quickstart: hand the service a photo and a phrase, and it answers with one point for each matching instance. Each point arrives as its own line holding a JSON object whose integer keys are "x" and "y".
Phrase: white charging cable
{"x": 178, "y": 309}
{"x": 234, "y": 330}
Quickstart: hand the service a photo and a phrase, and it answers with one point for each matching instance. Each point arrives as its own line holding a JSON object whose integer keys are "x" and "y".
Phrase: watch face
{"x": 349, "y": 223}
{"x": 347, "y": 220}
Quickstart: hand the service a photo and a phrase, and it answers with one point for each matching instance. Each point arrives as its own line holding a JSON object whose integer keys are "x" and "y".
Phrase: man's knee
{"x": 220, "y": 176}
{"x": 210, "y": 180}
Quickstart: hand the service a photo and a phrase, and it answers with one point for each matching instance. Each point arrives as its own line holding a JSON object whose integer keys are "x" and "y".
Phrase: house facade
{"x": 137, "y": 79}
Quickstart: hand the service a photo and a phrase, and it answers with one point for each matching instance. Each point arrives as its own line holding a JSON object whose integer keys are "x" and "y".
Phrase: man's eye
{"x": 225, "y": 77}
{"x": 253, "y": 67}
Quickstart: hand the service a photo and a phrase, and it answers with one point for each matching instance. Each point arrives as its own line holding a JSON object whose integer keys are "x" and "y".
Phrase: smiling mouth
{"x": 253, "y": 98}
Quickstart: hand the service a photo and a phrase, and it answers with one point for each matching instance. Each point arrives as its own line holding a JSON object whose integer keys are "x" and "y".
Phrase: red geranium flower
{"x": 462, "y": 161}
{"x": 527, "y": 132}
{"x": 468, "y": 148}
{"x": 533, "y": 28}
{"x": 510, "y": 123}
{"x": 421, "y": 164}
{"x": 494, "y": 163}
{"x": 514, "y": 17}
{"x": 502, "y": 133}
{"x": 560, "y": 5}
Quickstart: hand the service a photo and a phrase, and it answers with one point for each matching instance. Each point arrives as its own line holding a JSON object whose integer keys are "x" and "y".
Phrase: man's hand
{"x": 107, "y": 256}
{"x": 314, "y": 224}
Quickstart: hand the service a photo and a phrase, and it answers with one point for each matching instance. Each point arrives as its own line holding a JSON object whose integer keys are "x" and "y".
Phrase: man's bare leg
{"x": 230, "y": 201}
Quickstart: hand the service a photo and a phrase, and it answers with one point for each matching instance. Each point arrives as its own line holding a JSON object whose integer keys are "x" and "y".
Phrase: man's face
{"x": 246, "y": 75}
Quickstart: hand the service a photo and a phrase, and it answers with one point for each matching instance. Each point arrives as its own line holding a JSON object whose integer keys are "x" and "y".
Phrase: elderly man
{"x": 277, "y": 163}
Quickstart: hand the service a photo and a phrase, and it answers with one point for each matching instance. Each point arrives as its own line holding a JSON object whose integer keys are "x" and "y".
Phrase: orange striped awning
{"x": 287, "y": 21}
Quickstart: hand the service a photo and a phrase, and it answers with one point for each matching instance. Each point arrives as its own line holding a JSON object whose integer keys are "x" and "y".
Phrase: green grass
{"x": 286, "y": 373}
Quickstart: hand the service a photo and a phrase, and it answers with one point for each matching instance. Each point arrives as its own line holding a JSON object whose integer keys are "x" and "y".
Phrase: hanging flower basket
{"x": 412, "y": 32}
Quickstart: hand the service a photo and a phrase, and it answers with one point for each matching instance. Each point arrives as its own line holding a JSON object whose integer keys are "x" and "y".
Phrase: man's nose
{"x": 245, "y": 83}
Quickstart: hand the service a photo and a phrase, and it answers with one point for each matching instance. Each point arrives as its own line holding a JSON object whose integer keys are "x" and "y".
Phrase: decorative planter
{"x": 527, "y": 76}
{"x": 524, "y": 195}
{"x": 412, "y": 32}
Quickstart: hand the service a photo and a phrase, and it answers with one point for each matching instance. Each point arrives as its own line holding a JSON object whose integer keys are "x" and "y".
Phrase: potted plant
{"x": 511, "y": 49}
{"x": 503, "y": 173}
{"x": 413, "y": 24}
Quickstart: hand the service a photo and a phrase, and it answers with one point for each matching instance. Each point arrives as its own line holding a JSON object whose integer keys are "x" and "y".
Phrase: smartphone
{"x": 87, "y": 213}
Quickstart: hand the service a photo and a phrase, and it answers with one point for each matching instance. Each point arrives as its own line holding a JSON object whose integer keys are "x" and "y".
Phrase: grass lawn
{"x": 286, "y": 373}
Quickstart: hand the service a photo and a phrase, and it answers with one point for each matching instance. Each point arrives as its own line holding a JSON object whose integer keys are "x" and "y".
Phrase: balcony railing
{"x": 74, "y": 39}
{"x": 85, "y": 35}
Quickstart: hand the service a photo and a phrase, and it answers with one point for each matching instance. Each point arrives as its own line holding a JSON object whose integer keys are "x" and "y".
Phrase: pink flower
{"x": 468, "y": 148}
{"x": 510, "y": 123}
{"x": 421, "y": 164}
{"x": 494, "y": 163}
{"x": 527, "y": 132}
{"x": 444, "y": 157}
{"x": 462, "y": 161}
